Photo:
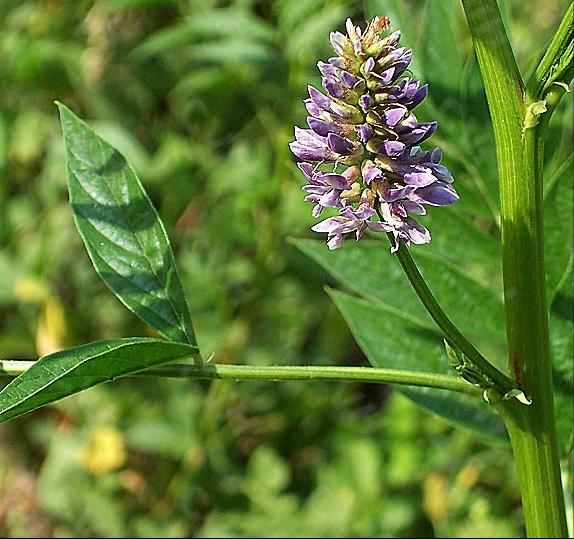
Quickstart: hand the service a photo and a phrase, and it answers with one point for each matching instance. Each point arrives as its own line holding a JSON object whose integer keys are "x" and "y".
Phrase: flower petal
{"x": 340, "y": 145}
{"x": 317, "y": 210}
{"x": 394, "y": 115}
{"x": 365, "y": 132}
{"x": 366, "y": 102}
{"x": 393, "y": 148}
{"x": 335, "y": 242}
{"x": 334, "y": 180}
{"x": 307, "y": 169}
{"x": 437, "y": 194}
{"x": 379, "y": 226}
{"x": 326, "y": 69}
{"x": 413, "y": 207}
{"x": 331, "y": 198}
{"x": 347, "y": 79}
{"x": 334, "y": 87}
{"x": 419, "y": 178}
{"x": 310, "y": 153}
{"x": 329, "y": 225}
{"x": 370, "y": 172}
{"x": 394, "y": 194}
{"x": 340, "y": 43}
{"x": 320, "y": 99}
{"x": 312, "y": 109}
{"x": 415, "y": 232}
{"x": 321, "y": 127}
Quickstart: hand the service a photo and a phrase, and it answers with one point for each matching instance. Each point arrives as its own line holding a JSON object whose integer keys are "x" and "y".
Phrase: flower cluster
{"x": 361, "y": 154}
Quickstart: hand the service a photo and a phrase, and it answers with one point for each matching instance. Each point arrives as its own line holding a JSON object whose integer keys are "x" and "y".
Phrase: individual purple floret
{"x": 361, "y": 154}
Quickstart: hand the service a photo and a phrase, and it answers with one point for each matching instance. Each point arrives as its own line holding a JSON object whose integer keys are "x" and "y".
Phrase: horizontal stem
{"x": 14, "y": 367}
{"x": 283, "y": 373}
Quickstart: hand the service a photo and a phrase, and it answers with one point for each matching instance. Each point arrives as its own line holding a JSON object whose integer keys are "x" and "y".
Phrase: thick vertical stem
{"x": 519, "y": 153}
{"x": 532, "y": 431}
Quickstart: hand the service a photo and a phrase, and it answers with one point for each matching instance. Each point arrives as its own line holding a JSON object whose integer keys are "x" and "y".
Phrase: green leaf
{"x": 392, "y": 339}
{"x": 440, "y": 48}
{"x": 452, "y": 234}
{"x": 58, "y": 375}
{"x": 306, "y": 27}
{"x": 221, "y": 23}
{"x": 558, "y": 232}
{"x": 400, "y": 16}
{"x": 368, "y": 269}
{"x": 559, "y": 262}
{"x": 122, "y": 231}
{"x": 561, "y": 343}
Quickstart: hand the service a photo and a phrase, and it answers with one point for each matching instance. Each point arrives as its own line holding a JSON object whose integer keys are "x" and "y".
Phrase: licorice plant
{"x": 365, "y": 173}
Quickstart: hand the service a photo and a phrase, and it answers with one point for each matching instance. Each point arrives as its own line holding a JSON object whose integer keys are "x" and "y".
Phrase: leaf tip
{"x": 61, "y": 107}
{"x": 66, "y": 116}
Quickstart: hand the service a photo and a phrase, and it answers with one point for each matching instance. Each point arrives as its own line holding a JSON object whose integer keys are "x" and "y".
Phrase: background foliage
{"x": 201, "y": 97}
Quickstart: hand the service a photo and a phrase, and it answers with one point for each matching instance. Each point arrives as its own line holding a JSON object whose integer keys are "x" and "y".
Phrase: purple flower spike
{"x": 361, "y": 156}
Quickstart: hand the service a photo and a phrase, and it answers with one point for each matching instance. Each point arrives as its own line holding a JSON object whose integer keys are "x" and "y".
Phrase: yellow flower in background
{"x": 51, "y": 332}
{"x": 104, "y": 451}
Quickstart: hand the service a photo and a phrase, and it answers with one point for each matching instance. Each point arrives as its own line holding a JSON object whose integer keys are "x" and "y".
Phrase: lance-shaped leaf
{"x": 442, "y": 58}
{"x": 58, "y": 375}
{"x": 391, "y": 338}
{"x": 558, "y": 248}
{"x": 122, "y": 231}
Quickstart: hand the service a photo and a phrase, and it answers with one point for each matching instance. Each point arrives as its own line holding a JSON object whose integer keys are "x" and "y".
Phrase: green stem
{"x": 537, "y": 462}
{"x": 556, "y": 66}
{"x": 283, "y": 373}
{"x": 14, "y": 367}
{"x": 453, "y": 336}
{"x": 519, "y": 152}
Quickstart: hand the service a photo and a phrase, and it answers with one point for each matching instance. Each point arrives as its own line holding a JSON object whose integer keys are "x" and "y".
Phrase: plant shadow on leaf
{"x": 562, "y": 307}
{"x": 132, "y": 216}
{"x": 123, "y": 232}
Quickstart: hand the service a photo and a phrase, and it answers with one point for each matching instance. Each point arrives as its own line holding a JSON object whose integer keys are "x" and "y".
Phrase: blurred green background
{"x": 201, "y": 97}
